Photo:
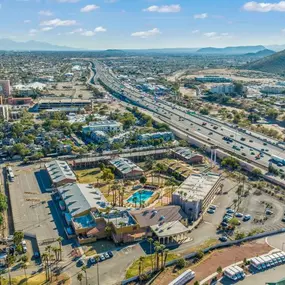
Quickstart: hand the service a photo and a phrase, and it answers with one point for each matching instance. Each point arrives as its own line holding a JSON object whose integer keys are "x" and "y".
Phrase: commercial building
{"x": 213, "y": 78}
{"x": 5, "y": 112}
{"x": 126, "y": 168}
{"x": 105, "y": 126}
{"x": 69, "y": 104}
{"x": 273, "y": 89}
{"x": 187, "y": 155}
{"x": 223, "y": 89}
{"x": 6, "y": 88}
{"x": 168, "y": 224}
{"x": 28, "y": 89}
{"x": 60, "y": 172}
{"x": 166, "y": 136}
{"x": 20, "y": 101}
{"x": 196, "y": 193}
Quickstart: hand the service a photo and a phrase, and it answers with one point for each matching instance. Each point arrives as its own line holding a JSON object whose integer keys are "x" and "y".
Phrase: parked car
{"x": 246, "y": 218}
{"x": 80, "y": 262}
{"x": 223, "y": 238}
{"x": 213, "y": 207}
{"x": 211, "y": 211}
{"x": 239, "y": 215}
{"x": 110, "y": 253}
{"x": 230, "y": 211}
{"x": 102, "y": 257}
{"x": 106, "y": 255}
{"x": 91, "y": 260}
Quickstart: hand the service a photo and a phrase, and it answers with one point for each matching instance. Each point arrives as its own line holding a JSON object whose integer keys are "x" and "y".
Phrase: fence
{"x": 218, "y": 246}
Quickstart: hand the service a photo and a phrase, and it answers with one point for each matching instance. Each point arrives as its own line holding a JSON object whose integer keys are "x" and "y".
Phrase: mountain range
{"x": 7, "y": 44}
{"x": 232, "y": 50}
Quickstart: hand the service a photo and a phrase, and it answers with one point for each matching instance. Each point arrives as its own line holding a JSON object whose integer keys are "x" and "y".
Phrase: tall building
{"x": 4, "y": 112}
{"x": 6, "y": 88}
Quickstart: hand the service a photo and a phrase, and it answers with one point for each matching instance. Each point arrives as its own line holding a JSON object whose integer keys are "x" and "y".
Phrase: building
{"x": 126, "y": 168}
{"x": 187, "y": 155}
{"x": 6, "y": 88}
{"x": 223, "y": 89}
{"x": 99, "y": 136}
{"x": 272, "y": 89}
{"x": 5, "y": 112}
{"x": 60, "y": 172}
{"x": 213, "y": 78}
{"x": 105, "y": 126}
{"x": 166, "y": 136}
{"x": 196, "y": 193}
{"x": 29, "y": 89}
{"x": 58, "y": 103}
{"x": 168, "y": 224}
{"x": 20, "y": 101}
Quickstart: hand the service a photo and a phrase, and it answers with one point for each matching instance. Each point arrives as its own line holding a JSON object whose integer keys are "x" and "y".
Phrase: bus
{"x": 184, "y": 278}
{"x": 10, "y": 174}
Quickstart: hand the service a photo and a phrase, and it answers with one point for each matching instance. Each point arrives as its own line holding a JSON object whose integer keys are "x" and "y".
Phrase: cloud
{"x": 146, "y": 34}
{"x": 68, "y": 1}
{"x": 32, "y": 32}
{"x": 45, "y": 13}
{"x": 88, "y": 33}
{"x": 195, "y": 32}
{"x": 27, "y": 21}
{"x": 264, "y": 7}
{"x": 217, "y": 36}
{"x": 164, "y": 9}
{"x": 58, "y": 23}
{"x": 201, "y": 16}
{"x": 89, "y": 8}
{"x": 46, "y": 29}
{"x": 100, "y": 30}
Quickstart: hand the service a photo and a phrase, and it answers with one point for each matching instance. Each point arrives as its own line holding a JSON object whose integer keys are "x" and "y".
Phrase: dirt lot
{"x": 221, "y": 258}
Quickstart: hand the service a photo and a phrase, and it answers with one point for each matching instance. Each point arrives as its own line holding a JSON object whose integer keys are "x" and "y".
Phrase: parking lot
{"x": 266, "y": 212}
{"x": 33, "y": 210}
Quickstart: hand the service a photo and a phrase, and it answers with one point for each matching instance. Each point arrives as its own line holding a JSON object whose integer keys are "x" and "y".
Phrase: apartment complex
{"x": 105, "y": 126}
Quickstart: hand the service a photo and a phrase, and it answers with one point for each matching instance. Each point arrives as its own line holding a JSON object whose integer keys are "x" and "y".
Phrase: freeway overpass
{"x": 243, "y": 143}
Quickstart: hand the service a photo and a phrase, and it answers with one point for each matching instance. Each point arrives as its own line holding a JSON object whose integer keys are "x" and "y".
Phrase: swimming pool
{"x": 140, "y": 197}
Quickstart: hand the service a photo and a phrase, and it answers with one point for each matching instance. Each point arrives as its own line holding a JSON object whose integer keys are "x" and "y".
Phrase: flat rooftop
{"x": 197, "y": 186}
{"x": 169, "y": 229}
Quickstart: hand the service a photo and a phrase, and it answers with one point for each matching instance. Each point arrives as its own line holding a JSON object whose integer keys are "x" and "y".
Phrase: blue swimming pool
{"x": 140, "y": 197}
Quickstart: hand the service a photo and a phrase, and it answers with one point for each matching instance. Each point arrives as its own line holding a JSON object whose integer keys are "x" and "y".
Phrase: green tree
{"x": 143, "y": 180}
{"x": 18, "y": 237}
{"x": 80, "y": 277}
{"x": 3, "y": 203}
{"x": 219, "y": 270}
{"x": 181, "y": 263}
{"x": 200, "y": 254}
{"x": 84, "y": 269}
{"x": 24, "y": 267}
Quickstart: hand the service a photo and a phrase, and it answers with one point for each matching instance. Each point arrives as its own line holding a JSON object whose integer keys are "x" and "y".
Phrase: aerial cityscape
{"x": 142, "y": 142}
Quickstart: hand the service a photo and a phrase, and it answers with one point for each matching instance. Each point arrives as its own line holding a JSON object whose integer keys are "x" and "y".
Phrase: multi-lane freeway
{"x": 250, "y": 146}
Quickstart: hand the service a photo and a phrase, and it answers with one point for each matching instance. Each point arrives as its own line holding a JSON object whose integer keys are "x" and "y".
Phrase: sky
{"x": 141, "y": 24}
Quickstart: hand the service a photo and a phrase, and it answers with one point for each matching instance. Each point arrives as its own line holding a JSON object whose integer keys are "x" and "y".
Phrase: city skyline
{"x": 123, "y": 24}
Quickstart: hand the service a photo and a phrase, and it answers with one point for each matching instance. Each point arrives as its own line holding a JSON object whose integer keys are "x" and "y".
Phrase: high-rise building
{"x": 6, "y": 88}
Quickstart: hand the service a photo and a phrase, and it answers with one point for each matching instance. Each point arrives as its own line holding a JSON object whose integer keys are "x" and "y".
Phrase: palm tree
{"x": 55, "y": 250}
{"x": 141, "y": 269}
{"x": 135, "y": 200}
{"x": 150, "y": 241}
{"x": 2, "y": 271}
{"x": 121, "y": 224}
{"x": 84, "y": 269}
{"x": 97, "y": 258}
{"x": 162, "y": 248}
{"x": 10, "y": 260}
{"x": 24, "y": 267}
{"x": 157, "y": 250}
{"x": 45, "y": 260}
{"x": 165, "y": 256}
{"x": 59, "y": 240}
{"x": 80, "y": 277}
{"x": 108, "y": 210}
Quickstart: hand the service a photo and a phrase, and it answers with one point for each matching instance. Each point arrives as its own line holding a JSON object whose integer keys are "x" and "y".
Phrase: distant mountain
{"x": 273, "y": 64}
{"x": 262, "y": 53}
{"x": 276, "y": 47}
{"x": 7, "y": 44}
{"x": 163, "y": 50}
{"x": 231, "y": 50}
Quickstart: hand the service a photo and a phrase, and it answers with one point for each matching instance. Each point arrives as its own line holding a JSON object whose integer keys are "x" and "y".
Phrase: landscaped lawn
{"x": 133, "y": 270}
{"x": 88, "y": 175}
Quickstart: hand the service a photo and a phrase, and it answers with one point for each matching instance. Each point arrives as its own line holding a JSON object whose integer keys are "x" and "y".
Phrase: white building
{"x": 29, "y": 89}
{"x": 105, "y": 126}
{"x": 5, "y": 112}
{"x": 223, "y": 89}
{"x": 272, "y": 89}
{"x": 196, "y": 193}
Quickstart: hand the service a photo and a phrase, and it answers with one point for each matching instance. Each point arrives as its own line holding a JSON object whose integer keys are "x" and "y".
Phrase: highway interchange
{"x": 209, "y": 130}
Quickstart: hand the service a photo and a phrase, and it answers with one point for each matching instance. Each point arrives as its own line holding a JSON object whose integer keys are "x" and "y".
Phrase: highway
{"x": 242, "y": 143}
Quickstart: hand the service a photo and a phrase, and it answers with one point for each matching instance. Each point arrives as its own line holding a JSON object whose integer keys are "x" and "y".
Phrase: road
{"x": 244, "y": 144}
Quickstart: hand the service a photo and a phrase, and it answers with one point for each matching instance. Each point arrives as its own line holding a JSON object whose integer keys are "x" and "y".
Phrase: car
{"x": 102, "y": 257}
{"x": 264, "y": 143}
{"x": 24, "y": 249}
{"x": 244, "y": 154}
{"x": 239, "y": 215}
{"x": 110, "y": 253}
{"x": 251, "y": 141}
{"x": 91, "y": 260}
{"x": 279, "y": 164}
{"x": 281, "y": 170}
{"x": 252, "y": 153}
{"x": 224, "y": 224}
{"x": 80, "y": 262}
{"x": 106, "y": 255}
{"x": 246, "y": 218}
{"x": 187, "y": 129}
{"x": 213, "y": 207}
{"x": 210, "y": 133}
{"x": 36, "y": 255}
{"x": 268, "y": 212}
{"x": 211, "y": 211}
{"x": 198, "y": 129}
{"x": 283, "y": 220}
{"x": 23, "y": 242}
{"x": 223, "y": 238}
{"x": 230, "y": 211}
{"x": 242, "y": 139}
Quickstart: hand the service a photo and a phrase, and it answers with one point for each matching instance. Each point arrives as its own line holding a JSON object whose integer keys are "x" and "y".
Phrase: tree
{"x": 84, "y": 269}
{"x": 219, "y": 270}
{"x": 234, "y": 222}
{"x": 150, "y": 241}
{"x": 18, "y": 237}
{"x": 181, "y": 263}
{"x": 256, "y": 172}
{"x": 80, "y": 277}
{"x": 196, "y": 283}
{"x": 3, "y": 203}
{"x": 10, "y": 260}
{"x": 253, "y": 117}
{"x": 59, "y": 240}
{"x": 24, "y": 267}
{"x": 272, "y": 113}
{"x": 204, "y": 111}
{"x": 200, "y": 254}
{"x": 238, "y": 86}
{"x": 230, "y": 162}
{"x": 143, "y": 180}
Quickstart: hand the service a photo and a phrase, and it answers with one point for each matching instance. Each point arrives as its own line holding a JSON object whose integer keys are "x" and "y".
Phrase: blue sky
{"x": 102, "y": 24}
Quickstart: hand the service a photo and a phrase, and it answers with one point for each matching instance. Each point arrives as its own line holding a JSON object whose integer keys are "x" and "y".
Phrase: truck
{"x": 278, "y": 160}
